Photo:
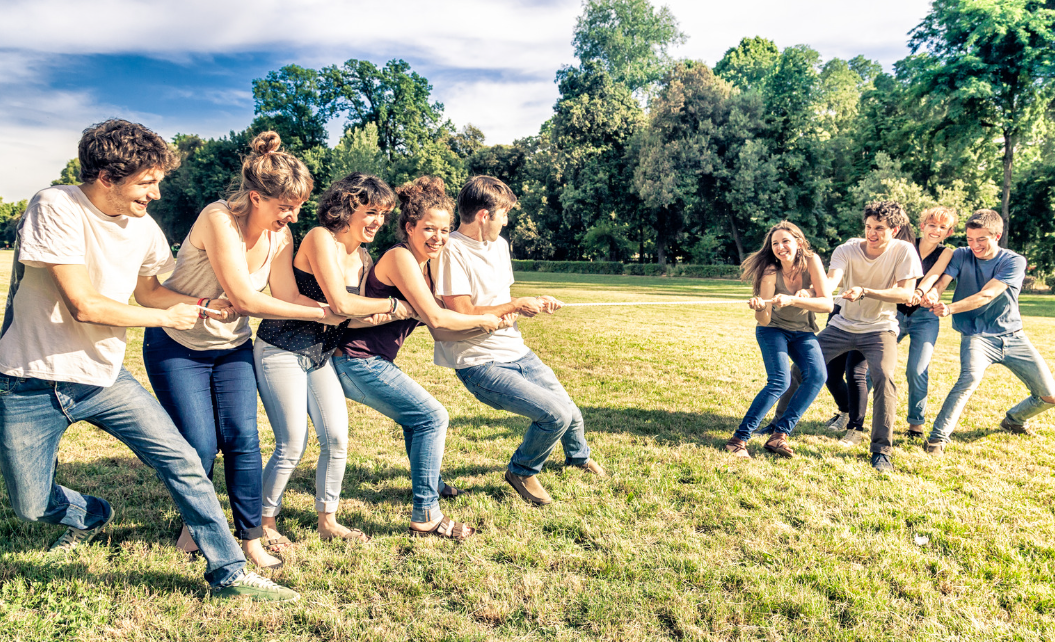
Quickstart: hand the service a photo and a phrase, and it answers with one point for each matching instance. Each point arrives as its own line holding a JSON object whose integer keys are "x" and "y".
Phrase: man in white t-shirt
{"x": 81, "y": 252}
{"x": 474, "y": 276}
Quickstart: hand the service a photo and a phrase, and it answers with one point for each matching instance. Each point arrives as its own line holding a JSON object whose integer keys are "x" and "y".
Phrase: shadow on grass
{"x": 46, "y": 571}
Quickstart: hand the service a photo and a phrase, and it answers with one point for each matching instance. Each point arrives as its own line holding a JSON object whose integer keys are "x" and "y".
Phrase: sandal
{"x": 450, "y": 492}
{"x": 277, "y": 544}
{"x": 353, "y": 535}
{"x": 738, "y": 448}
{"x": 447, "y": 528}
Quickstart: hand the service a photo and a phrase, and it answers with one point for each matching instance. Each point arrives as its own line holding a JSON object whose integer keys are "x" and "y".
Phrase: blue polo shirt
{"x": 999, "y": 316}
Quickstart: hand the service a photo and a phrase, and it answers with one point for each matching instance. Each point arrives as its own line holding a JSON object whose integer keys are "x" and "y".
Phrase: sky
{"x": 187, "y": 67}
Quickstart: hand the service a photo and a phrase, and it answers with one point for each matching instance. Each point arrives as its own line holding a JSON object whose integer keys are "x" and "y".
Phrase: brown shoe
{"x": 936, "y": 448}
{"x": 738, "y": 447}
{"x": 529, "y": 489}
{"x": 1018, "y": 429}
{"x": 914, "y": 432}
{"x": 778, "y": 445}
{"x": 592, "y": 466}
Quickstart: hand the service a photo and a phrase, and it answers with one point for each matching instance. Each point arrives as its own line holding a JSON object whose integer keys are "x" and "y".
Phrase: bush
{"x": 1050, "y": 282}
{"x": 707, "y": 271}
{"x": 570, "y": 267}
{"x": 644, "y": 269}
{"x": 1028, "y": 283}
{"x": 634, "y": 269}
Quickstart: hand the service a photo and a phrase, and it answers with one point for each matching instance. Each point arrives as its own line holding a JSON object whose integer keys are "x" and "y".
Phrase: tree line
{"x": 653, "y": 159}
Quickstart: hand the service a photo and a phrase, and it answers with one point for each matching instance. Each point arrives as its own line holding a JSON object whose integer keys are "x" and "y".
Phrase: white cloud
{"x": 491, "y": 63}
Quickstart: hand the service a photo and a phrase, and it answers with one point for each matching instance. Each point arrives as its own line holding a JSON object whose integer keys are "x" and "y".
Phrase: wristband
{"x": 394, "y": 304}
{"x": 201, "y": 313}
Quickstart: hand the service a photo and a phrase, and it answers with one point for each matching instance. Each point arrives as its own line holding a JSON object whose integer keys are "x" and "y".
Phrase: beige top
{"x": 194, "y": 277}
{"x": 789, "y": 318}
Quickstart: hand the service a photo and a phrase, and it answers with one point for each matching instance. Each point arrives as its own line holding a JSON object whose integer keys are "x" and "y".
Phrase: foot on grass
{"x": 74, "y": 537}
{"x": 882, "y": 463}
{"x": 256, "y": 588}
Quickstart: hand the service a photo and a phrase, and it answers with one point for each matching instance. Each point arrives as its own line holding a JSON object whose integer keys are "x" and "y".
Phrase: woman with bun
{"x": 294, "y": 371}
{"x": 204, "y": 377}
{"x": 364, "y": 360}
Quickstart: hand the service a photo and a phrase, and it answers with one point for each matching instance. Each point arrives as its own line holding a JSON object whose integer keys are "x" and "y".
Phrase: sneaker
{"x": 1018, "y": 429}
{"x": 852, "y": 438}
{"x": 74, "y": 537}
{"x": 256, "y": 588}
{"x": 936, "y": 448}
{"x": 882, "y": 463}
{"x": 838, "y": 421}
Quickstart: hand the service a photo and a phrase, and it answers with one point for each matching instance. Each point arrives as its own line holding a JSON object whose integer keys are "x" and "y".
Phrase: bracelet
{"x": 394, "y": 303}
{"x": 201, "y": 313}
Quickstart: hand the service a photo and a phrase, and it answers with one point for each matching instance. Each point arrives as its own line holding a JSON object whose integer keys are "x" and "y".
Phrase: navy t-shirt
{"x": 999, "y": 316}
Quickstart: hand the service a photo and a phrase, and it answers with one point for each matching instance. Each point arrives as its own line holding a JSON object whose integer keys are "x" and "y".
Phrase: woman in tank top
{"x": 782, "y": 272}
{"x": 204, "y": 377}
{"x": 364, "y": 361}
{"x": 919, "y": 324}
{"x": 294, "y": 372}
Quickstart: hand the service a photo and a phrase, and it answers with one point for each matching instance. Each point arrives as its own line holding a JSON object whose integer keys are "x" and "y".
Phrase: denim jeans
{"x": 380, "y": 384}
{"x": 211, "y": 397}
{"x": 529, "y": 388}
{"x": 35, "y": 413}
{"x": 779, "y": 349}
{"x": 291, "y": 391}
{"x": 1015, "y": 352}
{"x": 922, "y": 330}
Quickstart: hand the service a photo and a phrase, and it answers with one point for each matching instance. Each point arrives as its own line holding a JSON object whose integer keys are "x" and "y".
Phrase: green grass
{"x": 681, "y": 543}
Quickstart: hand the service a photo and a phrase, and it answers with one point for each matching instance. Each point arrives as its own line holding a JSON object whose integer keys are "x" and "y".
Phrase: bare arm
{"x": 932, "y": 276}
{"x": 821, "y": 303}
{"x": 86, "y": 305}
{"x": 399, "y": 268}
{"x": 900, "y": 293}
{"x": 318, "y": 247}
{"x": 151, "y": 294}
{"x": 991, "y": 290}
{"x": 762, "y": 304}
{"x": 507, "y": 321}
{"x": 223, "y": 246}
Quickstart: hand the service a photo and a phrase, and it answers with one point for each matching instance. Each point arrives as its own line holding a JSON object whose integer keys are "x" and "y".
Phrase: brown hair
{"x": 343, "y": 197}
{"x": 484, "y": 193}
{"x": 120, "y": 149}
{"x": 941, "y": 215}
{"x": 271, "y": 173}
{"x": 988, "y": 220}
{"x": 757, "y": 264}
{"x": 418, "y": 197}
{"x": 889, "y": 212}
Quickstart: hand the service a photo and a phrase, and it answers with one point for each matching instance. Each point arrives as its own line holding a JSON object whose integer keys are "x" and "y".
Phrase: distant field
{"x": 681, "y": 543}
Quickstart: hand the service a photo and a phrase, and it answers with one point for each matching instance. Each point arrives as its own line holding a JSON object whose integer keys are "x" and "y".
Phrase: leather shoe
{"x": 529, "y": 489}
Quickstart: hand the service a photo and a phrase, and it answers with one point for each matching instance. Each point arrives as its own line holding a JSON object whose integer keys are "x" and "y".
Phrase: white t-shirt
{"x": 900, "y": 261}
{"x": 483, "y": 271}
{"x": 40, "y": 338}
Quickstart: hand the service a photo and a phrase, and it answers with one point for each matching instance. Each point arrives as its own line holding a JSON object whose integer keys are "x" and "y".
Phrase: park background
{"x": 651, "y": 161}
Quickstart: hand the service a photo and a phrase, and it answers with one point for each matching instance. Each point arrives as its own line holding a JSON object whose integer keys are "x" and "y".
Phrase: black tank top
{"x": 383, "y": 340}
{"x": 314, "y": 340}
{"x": 928, "y": 263}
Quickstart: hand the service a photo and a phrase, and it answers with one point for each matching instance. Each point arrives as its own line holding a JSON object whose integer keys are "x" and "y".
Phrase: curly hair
{"x": 418, "y": 197}
{"x": 757, "y": 264}
{"x": 270, "y": 172}
{"x": 343, "y": 197}
{"x": 888, "y": 212}
{"x": 121, "y": 149}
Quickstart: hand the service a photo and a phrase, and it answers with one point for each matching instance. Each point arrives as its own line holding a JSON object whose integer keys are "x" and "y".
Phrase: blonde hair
{"x": 946, "y": 215}
{"x": 272, "y": 173}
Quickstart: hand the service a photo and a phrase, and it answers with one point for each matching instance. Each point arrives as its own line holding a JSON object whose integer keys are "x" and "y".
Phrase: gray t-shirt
{"x": 900, "y": 261}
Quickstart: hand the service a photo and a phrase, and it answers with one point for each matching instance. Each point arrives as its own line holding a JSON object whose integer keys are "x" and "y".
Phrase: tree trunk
{"x": 736, "y": 236}
{"x": 661, "y": 250}
{"x": 641, "y": 245}
{"x": 1005, "y": 208}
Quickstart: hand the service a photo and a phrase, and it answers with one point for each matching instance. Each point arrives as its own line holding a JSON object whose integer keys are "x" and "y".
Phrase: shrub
{"x": 707, "y": 271}
{"x": 644, "y": 269}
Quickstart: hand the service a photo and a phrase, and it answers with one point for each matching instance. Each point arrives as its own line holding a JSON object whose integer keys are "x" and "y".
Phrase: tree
{"x": 71, "y": 174}
{"x": 393, "y": 98}
{"x": 358, "y": 151}
{"x": 290, "y": 103}
{"x": 749, "y": 64}
{"x": 629, "y": 38}
{"x": 10, "y": 214}
{"x": 996, "y": 64}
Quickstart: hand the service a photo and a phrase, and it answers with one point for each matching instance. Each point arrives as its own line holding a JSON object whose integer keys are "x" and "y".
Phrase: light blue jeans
{"x": 922, "y": 330}
{"x": 291, "y": 392}
{"x": 1013, "y": 351}
{"x": 380, "y": 384}
{"x": 529, "y": 388}
{"x": 34, "y": 414}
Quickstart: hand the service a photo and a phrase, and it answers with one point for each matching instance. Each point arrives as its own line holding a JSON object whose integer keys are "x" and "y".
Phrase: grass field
{"x": 682, "y": 542}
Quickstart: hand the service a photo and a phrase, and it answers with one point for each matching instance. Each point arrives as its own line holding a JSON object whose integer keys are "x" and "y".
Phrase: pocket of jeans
{"x": 474, "y": 373}
{"x": 6, "y": 383}
{"x": 351, "y": 390}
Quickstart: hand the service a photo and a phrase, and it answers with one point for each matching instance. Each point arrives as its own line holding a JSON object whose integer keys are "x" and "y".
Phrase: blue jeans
{"x": 211, "y": 397}
{"x": 922, "y": 329}
{"x": 35, "y": 413}
{"x": 779, "y": 349}
{"x": 380, "y": 384}
{"x": 1015, "y": 352}
{"x": 529, "y": 388}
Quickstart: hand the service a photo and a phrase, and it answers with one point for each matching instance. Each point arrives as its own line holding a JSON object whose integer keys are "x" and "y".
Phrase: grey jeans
{"x": 880, "y": 351}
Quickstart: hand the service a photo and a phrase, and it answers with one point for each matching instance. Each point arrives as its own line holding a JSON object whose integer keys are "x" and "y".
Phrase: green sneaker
{"x": 74, "y": 537}
{"x": 256, "y": 588}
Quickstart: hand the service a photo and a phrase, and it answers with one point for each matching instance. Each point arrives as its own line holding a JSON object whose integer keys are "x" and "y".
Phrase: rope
{"x": 590, "y": 305}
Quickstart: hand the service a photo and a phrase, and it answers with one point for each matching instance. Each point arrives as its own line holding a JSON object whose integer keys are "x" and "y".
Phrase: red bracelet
{"x": 201, "y": 313}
